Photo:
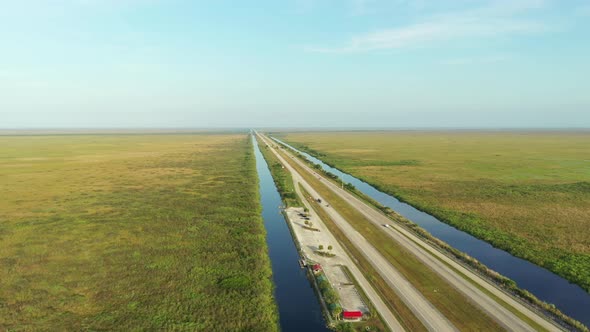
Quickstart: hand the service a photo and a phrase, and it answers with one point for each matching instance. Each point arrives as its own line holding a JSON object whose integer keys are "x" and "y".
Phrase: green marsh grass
{"x": 132, "y": 232}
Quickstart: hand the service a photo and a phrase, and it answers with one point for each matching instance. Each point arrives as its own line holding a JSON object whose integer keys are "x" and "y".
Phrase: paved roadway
{"x": 334, "y": 262}
{"x": 424, "y": 310}
{"x": 432, "y": 257}
{"x": 309, "y": 241}
{"x": 389, "y": 318}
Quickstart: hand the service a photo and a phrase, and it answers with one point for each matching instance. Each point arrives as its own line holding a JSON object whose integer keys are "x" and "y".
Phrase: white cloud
{"x": 433, "y": 32}
{"x": 497, "y": 19}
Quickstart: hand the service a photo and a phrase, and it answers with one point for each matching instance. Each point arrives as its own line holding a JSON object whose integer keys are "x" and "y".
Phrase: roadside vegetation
{"x": 404, "y": 315}
{"x": 132, "y": 232}
{"x": 449, "y": 301}
{"x": 371, "y": 322}
{"x": 509, "y": 285}
{"x": 527, "y": 193}
{"x": 282, "y": 178}
{"x": 329, "y": 295}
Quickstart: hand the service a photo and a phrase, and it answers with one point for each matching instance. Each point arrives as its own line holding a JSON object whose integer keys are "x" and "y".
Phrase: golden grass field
{"x": 526, "y": 192}
{"x": 132, "y": 232}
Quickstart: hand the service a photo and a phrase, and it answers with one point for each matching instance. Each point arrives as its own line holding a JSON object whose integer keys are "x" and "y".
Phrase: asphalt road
{"x": 388, "y": 317}
{"x": 426, "y": 312}
{"x": 386, "y": 314}
{"x": 432, "y": 258}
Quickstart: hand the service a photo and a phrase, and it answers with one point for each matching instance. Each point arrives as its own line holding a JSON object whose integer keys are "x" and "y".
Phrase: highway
{"x": 426, "y": 312}
{"x": 430, "y": 256}
{"x": 380, "y": 306}
{"x": 343, "y": 258}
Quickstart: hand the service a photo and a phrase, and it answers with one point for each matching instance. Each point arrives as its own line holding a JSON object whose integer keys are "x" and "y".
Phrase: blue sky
{"x": 351, "y": 63}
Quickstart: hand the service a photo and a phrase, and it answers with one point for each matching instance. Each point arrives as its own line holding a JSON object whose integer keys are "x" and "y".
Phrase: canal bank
{"x": 547, "y": 286}
{"x": 318, "y": 246}
{"x": 299, "y": 309}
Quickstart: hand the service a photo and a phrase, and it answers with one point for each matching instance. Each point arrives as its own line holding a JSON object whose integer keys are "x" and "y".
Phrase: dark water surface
{"x": 299, "y": 309}
{"x": 544, "y": 284}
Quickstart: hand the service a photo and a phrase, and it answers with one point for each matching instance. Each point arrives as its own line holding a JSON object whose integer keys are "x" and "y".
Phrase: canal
{"x": 299, "y": 309}
{"x": 571, "y": 299}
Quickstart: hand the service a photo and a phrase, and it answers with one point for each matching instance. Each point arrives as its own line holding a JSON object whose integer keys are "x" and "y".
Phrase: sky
{"x": 294, "y": 63}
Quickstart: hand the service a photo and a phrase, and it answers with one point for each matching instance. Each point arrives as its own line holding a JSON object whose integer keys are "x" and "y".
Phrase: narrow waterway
{"x": 299, "y": 309}
{"x": 546, "y": 285}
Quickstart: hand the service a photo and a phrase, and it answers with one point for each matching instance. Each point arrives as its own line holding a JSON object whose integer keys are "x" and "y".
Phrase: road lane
{"x": 420, "y": 306}
{"x": 380, "y": 306}
{"x": 432, "y": 257}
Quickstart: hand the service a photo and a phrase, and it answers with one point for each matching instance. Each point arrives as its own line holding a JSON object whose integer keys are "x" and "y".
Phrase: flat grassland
{"x": 525, "y": 192}
{"x": 132, "y": 232}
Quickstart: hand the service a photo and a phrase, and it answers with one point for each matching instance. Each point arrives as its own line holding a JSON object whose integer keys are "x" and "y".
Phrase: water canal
{"x": 299, "y": 309}
{"x": 544, "y": 284}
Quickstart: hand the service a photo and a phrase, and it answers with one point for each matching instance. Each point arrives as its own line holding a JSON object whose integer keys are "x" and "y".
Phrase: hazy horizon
{"x": 285, "y": 129}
